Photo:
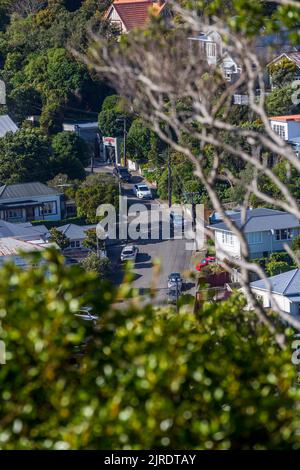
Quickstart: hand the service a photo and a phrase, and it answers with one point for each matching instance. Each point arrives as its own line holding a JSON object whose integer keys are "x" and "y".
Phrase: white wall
{"x": 222, "y": 248}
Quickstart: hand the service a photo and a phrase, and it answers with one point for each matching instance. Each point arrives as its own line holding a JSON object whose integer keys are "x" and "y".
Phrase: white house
{"x": 285, "y": 289}
{"x": 266, "y": 231}
{"x": 29, "y": 201}
{"x": 287, "y": 127}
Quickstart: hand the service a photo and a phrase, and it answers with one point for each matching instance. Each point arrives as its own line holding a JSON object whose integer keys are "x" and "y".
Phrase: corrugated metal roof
{"x": 287, "y": 284}
{"x": 14, "y": 191}
{"x": 12, "y": 246}
{"x": 21, "y": 231}
{"x": 75, "y": 232}
{"x": 259, "y": 220}
{"x": 7, "y": 125}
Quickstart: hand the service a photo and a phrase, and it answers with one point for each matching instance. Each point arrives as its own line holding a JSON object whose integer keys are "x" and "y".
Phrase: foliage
{"x": 96, "y": 264}
{"x": 70, "y": 155}
{"x": 24, "y": 157}
{"x": 58, "y": 237}
{"x": 110, "y": 117}
{"x": 295, "y": 245}
{"x": 282, "y": 72}
{"x": 279, "y": 102}
{"x": 95, "y": 190}
{"x": 90, "y": 241}
{"x": 274, "y": 267}
{"x": 226, "y": 386}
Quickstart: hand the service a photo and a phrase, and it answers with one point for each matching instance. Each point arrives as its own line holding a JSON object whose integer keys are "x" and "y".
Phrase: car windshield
{"x": 174, "y": 276}
{"x": 143, "y": 188}
{"x": 127, "y": 251}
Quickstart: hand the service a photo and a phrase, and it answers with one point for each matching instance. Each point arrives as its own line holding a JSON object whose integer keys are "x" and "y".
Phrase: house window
{"x": 211, "y": 49}
{"x": 227, "y": 238}
{"x": 280, "y": 130}
{"x": 75, "y": 244}
{"x": 254, "y": 237}
{"x": 283, "y": 234}
{"x": 48, "y": 208}
{"x": 15, "y": 213}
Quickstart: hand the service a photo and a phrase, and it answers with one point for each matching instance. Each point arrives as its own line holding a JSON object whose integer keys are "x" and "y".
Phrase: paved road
{"x": 172, "y": 253}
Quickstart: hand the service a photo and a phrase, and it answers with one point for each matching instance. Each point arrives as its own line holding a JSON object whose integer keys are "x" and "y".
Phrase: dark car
{"x": 173, "y": 295}
{"x": 175, "y": 281}
{"x": 122, "y": 173}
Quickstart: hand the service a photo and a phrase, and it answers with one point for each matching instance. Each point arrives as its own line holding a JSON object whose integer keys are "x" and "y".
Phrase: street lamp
{"x": 123, "y": 119}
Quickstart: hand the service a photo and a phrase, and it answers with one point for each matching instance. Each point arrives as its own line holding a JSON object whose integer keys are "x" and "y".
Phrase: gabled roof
{"x": 21, "y": 231}
{"x": 74, "y": 231}
{"x": 290, "y": 117}
{"x": 259, "y": 220}
{"x": 287, "y": 284}
{"x": 15, "y": 191}
{"x": 135, "y": 13}
{"x": 7, "y": 125}
{"x": 294, "y": 56}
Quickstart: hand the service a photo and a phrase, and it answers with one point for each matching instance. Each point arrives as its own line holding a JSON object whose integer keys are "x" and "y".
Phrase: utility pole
{"x": 124, "y": 140}
{"x": 192, "y": 196}
{"x": 169, "y": 178}
{"x": 123, "y": 118}
{"x": 177, "y": 295}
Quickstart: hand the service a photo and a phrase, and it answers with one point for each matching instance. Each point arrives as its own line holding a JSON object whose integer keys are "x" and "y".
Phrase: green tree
{"x": 24, "y": 157}
{"x": 295, "y": 245}
{"x": 90, "y": 241}
{"x": 282, "y": 73}
{"x": 58, "y": 237}
{"x": 95, "y": 190}
{"x": 70, "y": 155}
{"x": 274, "y": 267}
{"x": 92, "y": 263}
{"x": 150, "y": 379}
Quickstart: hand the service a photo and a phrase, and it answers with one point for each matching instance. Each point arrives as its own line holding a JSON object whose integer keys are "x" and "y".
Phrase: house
{"x": 37, "y": 234}
{"x": 266, "y": 231}
{"x": 130, "y": 14}
{"x": 26, "y": 202}
{"x": 212, "y": 47}
{"x": 293, "y": 57}
{"x": 287, "y": 127}
{"x": 285, "y": 290}
{"x": 11, "y": 249}
{"x": 7, "y": 125}
{"x": 76, "y": 234}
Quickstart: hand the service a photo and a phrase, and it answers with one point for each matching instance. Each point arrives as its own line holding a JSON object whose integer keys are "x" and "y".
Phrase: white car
{"x": 129, "y": 253}
{"x": 142, "y": 191}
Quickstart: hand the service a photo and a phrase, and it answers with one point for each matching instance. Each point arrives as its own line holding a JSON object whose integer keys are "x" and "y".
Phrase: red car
{"x": 205, "y": 262}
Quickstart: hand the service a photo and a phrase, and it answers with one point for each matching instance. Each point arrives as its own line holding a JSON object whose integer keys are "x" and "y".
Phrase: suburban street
{"x": 171, "y": 254}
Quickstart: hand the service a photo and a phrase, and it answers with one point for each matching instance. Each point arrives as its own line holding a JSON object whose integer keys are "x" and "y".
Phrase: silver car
{"x": 129, "y": 253}
{"x": 142, "y": 191}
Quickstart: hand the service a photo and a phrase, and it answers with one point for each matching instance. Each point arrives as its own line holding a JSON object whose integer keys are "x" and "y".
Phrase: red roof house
{"x": 131, "y": 14}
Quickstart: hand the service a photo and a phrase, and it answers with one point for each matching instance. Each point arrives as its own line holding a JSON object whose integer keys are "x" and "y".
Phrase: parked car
{"x": 142, "y": 191}
{"x": 205, "y": 262}
{"x": 129, "y": 253}
{"x": 173, "y": 295}
{"x": 177, "y": 221}
{"x": 175, "y": 281}
{"x": 122, "y": 173}
{"x": 86, "y": 314}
